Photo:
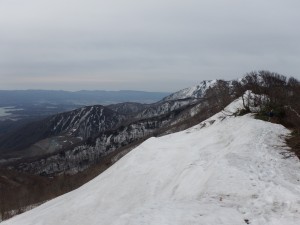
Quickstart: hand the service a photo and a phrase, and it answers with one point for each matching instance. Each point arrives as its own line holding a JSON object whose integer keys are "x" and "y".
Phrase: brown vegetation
{"x": 279, "y": 94}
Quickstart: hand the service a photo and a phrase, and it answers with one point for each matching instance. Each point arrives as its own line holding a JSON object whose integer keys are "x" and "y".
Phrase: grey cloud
{"x": 144, "y": 45}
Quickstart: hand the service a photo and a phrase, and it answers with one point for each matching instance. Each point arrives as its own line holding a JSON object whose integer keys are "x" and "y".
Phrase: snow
{"x": 226, "y": 170}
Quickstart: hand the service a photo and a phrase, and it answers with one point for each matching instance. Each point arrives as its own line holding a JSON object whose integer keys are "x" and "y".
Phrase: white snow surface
{"x": 226, "y": 170}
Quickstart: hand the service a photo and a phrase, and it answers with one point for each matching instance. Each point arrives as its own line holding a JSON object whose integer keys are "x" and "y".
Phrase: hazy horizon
{"x": 81, "y": 90}
{"x": 145, "y": 45}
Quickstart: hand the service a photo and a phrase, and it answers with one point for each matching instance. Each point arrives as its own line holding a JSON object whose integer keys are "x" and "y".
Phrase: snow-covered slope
{"x": 191, "y": 92}
{"x": 226, "y": 170}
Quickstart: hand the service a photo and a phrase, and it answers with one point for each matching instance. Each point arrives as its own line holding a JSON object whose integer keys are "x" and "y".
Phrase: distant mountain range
{"x": 74, "y": 140}
{"x": 24, "y": 97}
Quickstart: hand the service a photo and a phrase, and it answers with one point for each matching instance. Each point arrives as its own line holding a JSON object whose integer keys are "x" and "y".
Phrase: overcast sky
{"x": 153, "y": 45}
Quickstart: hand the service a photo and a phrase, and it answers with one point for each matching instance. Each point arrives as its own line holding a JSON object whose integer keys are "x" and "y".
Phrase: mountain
{"x": 81, "y": 155}
{"x": 226, "y": 170}
{"x": 66, "y": 162}
{"x": 74, "y": 140}
{"x": 197, "y": 91}
{"x": 88, "y": 122}
{"x": 183, "y": 98}
{"x": 85, "y": 122}
{"x": 55, "y": 132}
{"x": 20, "y": 107}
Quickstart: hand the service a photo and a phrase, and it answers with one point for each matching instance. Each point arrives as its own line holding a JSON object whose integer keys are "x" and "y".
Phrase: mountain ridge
{"x": 197, "y": 91}
{"x": 57, "y": 125}
{"x": 229, "y": 171}
{"x": 144, "y": 121}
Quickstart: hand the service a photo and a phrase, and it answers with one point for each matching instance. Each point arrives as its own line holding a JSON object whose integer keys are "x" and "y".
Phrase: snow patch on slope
{"x": 229, "y": 172}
